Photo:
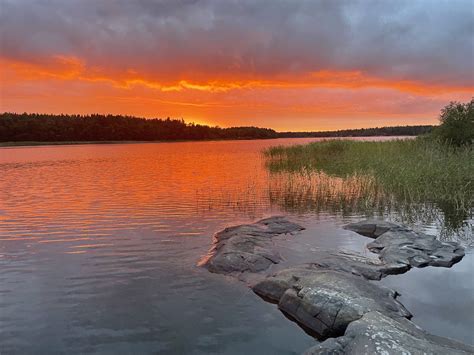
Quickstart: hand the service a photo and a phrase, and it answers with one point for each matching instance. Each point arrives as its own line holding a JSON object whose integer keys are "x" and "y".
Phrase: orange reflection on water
{"x": 71, "y": 194}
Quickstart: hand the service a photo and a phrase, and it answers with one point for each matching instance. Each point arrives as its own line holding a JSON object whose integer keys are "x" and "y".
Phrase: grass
{"x": 405, "y": 172}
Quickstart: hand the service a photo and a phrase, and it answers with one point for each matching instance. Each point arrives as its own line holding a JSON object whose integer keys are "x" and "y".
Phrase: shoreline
{"x": 56, "y": 143}
{"x": 39, "y": 143}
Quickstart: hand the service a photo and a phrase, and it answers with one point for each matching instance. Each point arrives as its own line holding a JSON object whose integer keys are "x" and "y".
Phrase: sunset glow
{"x": 196, "y": 61}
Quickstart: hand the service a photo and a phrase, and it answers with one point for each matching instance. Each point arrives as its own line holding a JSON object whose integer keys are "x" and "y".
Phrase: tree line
{"x": 16, "y": 127}
{"x": 365, "y": 132}
{"x": 49, "y": 128}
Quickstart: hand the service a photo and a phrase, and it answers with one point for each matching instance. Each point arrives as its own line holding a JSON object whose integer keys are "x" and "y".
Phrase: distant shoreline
{"x": 35, "y": 143}
{"x": 45, "y": 129}
{"x": 39, "y": 144}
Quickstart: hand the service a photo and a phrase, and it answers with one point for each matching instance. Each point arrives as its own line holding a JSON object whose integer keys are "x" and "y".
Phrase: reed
{"x": 409, "y": 172}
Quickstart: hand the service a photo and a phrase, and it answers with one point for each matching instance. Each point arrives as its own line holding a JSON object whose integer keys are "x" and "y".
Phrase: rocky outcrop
{"x": 400, "y": 246}
{"x": 325, "y": 302}
{"x": 335, "y": 295}
{"x": 248, "y": 247}
{"x": 376, "y": 333}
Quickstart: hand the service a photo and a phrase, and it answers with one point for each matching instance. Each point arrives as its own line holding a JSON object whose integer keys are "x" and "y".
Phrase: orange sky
{"x": 228, "y": 73}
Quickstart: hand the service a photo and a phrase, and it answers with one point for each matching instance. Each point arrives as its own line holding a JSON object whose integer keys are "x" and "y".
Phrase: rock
{"x": 399, "y": 245}
{"x": 334, "y": 295}
{"x": 371, "y": 228}
{"x": 376, "y": 333}
{"x": 331, "y": 346}
{"x": 358, "y": 265}
{"x": 249, "y": 247}
{"x": 324, "y": 302}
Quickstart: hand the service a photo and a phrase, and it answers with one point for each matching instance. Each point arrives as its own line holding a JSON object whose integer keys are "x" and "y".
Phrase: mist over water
{"x": 99, "y": 246}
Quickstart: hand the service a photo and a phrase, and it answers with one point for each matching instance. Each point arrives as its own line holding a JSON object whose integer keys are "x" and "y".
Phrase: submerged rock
{"x": 325, "y": 302}
{"x": 399, "y": 245}
{"x": 371, "y": 228}
{"x": 376, "y": 333}
{"x": 248, "y": 247}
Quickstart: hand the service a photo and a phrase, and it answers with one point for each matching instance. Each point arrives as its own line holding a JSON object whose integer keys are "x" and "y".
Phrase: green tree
{"x": 457, "y": 124}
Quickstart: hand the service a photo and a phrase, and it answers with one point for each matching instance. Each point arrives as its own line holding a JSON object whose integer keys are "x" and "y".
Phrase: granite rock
{"x": 325, "y": 302}
{"x": 376, "y": 333}
{"x": 248, "y": 247}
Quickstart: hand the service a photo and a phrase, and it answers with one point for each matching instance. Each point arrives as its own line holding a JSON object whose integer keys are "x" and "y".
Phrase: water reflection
{"x": 316, "y": 192}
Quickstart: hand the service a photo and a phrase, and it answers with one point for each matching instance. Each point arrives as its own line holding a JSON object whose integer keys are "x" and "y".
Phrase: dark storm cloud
{"x": 430, "y": 41}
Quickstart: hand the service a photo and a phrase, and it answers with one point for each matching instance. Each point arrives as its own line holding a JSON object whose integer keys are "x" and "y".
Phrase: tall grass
{"x": 409, "y": 171}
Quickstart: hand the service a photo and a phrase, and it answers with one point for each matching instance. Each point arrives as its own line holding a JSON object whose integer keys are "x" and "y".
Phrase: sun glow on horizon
{"x": 315, "y": 101}
{"x": 281, "y": 69}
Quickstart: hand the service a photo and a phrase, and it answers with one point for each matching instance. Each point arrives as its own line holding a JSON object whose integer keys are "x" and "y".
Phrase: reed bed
{"x": 408, "y": 174}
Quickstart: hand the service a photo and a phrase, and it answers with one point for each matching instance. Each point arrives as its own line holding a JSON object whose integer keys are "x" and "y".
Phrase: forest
{"x": 28, "y": 127}
{"x": 62, "y": 128}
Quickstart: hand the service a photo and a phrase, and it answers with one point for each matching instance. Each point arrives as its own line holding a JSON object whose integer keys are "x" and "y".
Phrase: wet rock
{"x": 376, "y": 333}
{"x": 325, "y": 302}
{"x": 399, "y": 245}
{"x": 249, "y": 247}
{"x": 358, "y": 265}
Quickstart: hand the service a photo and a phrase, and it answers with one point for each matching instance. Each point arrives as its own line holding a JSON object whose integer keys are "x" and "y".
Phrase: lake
{"x": 99, "y": 246}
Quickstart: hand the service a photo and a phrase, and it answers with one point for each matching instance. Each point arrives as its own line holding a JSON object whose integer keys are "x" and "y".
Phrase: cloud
{"x": 426, "y": 41}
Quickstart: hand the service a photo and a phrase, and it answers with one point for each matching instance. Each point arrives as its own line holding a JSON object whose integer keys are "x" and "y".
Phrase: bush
{"x": 457, "y": 124}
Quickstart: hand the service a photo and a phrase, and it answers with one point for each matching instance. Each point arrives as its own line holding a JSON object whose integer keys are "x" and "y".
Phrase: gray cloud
{"x": 430, "y": 41}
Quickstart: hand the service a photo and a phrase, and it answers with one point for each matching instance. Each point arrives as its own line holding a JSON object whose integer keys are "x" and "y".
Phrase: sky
{"x": 282, "y": 64}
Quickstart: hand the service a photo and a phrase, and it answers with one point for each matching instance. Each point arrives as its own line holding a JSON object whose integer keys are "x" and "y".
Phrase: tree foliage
{"x": 457, "y": 124}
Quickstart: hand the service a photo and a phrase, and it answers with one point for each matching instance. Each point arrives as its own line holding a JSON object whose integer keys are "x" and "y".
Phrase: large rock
{"x": 248, "y": 247}
{"x": 398, "y": 245}
{"x": 324, "y": 302}
{"x": 376, "y": 333}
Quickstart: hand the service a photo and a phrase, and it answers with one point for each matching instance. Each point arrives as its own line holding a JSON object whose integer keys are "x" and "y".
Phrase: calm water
{"x": 99, "y": 245}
